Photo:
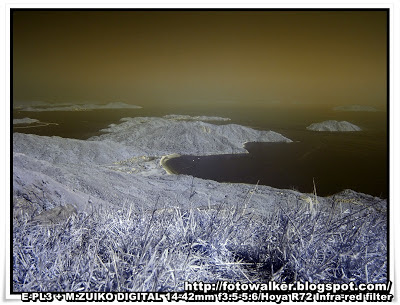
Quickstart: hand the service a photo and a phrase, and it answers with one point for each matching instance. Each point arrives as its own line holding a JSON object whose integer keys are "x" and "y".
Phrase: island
{"x": 357, "y": 108}
{"x": 333, "y": 126}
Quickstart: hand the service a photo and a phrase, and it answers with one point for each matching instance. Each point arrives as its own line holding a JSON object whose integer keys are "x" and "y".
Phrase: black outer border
{"x": 11, "y": 151}
{"x": 388, "y": 139}
{"x": 387, "y": 10}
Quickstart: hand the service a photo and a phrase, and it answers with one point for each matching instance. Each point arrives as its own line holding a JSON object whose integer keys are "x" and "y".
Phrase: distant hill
{"x": 333, "y": 125}
{"x": 355, "y": 108}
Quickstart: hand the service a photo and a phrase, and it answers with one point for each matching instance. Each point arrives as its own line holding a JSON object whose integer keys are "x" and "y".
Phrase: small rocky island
{"x": 334, "y": 126}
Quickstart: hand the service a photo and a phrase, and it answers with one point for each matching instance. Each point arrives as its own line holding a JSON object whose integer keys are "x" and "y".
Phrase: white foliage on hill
{"x": 160, "y": 136}
{"x": 24, "y": 121}
{"x": 333, "y": 125}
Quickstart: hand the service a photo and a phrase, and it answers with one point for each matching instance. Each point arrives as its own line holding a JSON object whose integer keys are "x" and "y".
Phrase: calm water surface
{"x": 334, "y": 160}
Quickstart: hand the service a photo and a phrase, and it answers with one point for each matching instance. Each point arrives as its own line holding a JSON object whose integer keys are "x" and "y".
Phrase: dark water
{"x": 334, "y": 160}
{"x": 73, "y": 124}
{"x": 85, "y": 124}
{"x": 294, "y": 166}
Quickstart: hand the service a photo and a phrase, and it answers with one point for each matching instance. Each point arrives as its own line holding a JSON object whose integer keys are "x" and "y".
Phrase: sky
{"x": 205, "y": 57}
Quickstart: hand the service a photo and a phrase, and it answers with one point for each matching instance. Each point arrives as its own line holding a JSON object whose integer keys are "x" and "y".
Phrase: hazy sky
{"x": 139, "y": 57}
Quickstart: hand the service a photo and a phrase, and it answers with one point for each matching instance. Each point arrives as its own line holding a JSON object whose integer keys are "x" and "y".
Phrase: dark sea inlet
{"x": 334, "y": 160}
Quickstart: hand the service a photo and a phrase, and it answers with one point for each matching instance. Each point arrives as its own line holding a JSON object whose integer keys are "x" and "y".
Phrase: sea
{"x": 328, "y": 161}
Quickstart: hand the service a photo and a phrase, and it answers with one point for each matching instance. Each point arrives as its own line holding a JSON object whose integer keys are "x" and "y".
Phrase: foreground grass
{"x": 130, "y": 250}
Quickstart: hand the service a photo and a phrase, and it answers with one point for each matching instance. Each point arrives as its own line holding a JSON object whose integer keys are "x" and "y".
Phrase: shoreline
{"x": 165, "y": 159}
{"x": 92, "y": 147}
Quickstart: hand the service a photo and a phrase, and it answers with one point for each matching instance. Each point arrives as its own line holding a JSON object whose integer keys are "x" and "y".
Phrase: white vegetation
{"x": 29, "y": 123}
{"x": 194, "y": 118}
{"x": 158, "y": 249}
{"x": 153, "y": 136}
{"x": 335, "y": 126}
{"x": 24, "y": 121}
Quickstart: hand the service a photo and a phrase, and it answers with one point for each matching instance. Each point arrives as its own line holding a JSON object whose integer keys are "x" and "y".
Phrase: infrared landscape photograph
{"x": 156, "y": 147}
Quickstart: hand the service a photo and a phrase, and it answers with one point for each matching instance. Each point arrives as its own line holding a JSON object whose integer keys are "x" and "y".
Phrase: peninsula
{"x": 108, "y": 201}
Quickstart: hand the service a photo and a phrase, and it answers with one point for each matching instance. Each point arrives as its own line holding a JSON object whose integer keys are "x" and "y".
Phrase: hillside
{"x": 133, "y": 227}
{"x": 334, "y": 126}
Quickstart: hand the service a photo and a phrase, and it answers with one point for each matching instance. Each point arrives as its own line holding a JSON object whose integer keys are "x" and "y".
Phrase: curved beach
{"x": 165, "y": 159}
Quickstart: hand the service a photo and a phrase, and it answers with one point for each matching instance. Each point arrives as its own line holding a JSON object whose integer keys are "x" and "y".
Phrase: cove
{"x": 335, "y": 164}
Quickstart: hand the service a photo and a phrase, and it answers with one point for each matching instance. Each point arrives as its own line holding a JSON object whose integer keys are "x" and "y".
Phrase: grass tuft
{"x": 128, "y": 250}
